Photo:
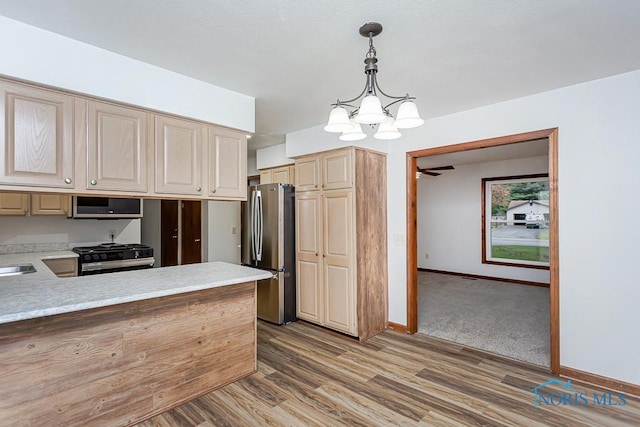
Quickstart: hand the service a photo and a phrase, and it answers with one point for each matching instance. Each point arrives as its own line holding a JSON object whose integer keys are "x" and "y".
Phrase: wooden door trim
{"x": 411, "y": 207}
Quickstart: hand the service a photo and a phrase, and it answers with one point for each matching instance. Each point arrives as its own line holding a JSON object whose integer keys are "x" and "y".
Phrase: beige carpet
{"x": 504, "y": 318}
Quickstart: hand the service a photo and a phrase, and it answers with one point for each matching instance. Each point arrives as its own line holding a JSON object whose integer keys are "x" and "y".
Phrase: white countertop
{"x": 42, "y": 293}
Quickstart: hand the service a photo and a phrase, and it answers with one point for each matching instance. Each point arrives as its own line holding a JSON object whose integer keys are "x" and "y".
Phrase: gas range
{"x": 110, "y": 257}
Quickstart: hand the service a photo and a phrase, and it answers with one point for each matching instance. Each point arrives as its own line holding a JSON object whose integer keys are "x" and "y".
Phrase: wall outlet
{"x": 426, "y": 256}
{"x": 234, "y": 230}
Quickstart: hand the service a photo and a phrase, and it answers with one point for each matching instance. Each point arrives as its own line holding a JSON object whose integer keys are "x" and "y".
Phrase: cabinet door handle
{"x": 198, "y": 189}
{"x": 67, "y": 180}
{"x": 213, "y": 191}
{"x": 94, "y": 182}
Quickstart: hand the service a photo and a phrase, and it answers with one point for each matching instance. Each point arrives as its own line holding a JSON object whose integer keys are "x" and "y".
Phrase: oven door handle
{"x": 112, "y": 265}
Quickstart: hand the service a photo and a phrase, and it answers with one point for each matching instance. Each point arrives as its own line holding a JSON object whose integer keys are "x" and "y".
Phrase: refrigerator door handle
{"x": 253, "y": 225}
{"x": 259, "y": 224}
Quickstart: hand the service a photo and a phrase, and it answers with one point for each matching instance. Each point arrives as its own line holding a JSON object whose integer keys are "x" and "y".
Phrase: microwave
{"x": 106, "y": 207}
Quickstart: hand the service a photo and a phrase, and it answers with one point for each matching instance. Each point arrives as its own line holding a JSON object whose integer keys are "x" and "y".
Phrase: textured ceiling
{"x": 296, "y": 57}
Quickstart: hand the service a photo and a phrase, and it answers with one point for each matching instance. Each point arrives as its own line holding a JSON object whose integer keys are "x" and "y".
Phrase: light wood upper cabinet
{"x": 51, "y": 204}
{"x": 307, "y": 173}
{"x": 179, "y": 156}
{"x": 36, "y": 137}
{"x": 284, "y": 174}
{"x": 117, "y": 148}
{"x": 14, "y": 204}
{"x": 266, "y": 176}
{"x": 227, "y": 165}
{"x": 281, "y": 174}
{"x": 337, "y": 169}
{"x": 332, "y": 170}
{"x": 55, "y": 142}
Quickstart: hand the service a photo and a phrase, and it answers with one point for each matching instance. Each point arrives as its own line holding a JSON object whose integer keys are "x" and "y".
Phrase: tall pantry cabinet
{"x": 341, "y": 240}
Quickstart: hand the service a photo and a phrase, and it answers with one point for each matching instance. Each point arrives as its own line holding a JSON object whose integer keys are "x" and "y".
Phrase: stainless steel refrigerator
{"x": 268, "y": 243}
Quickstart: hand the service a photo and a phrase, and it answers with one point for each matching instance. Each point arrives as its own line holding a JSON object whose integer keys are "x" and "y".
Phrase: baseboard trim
{"x": 598, "y": 380}
{"x": 396, "y": 327}
{"x": 477, "y": 276}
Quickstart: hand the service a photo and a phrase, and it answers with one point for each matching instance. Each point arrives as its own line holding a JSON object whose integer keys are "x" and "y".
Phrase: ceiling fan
{"x": 429, "y": 171}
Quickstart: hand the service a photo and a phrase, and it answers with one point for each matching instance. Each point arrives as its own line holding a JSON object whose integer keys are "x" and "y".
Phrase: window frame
{"x": 487, "y": 221}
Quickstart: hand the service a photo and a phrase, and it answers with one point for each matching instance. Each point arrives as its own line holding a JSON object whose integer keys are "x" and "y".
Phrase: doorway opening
{"x": 550, "y": 135}
{"x": 181, "y": 232}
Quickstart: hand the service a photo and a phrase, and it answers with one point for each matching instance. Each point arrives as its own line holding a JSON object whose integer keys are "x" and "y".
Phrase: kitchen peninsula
{"x": 117, "y": 348}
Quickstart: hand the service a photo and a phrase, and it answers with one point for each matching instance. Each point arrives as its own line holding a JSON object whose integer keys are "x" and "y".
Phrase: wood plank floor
{"x": 311, "y": 377}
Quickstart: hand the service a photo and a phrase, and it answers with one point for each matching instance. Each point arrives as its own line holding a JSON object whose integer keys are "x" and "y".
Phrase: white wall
{"x": 315, "y": 139}
{"x": 251, "y": 167}
{"x": 448, "y": 223}
{"x": 41, "y": 56}
{"x": 71, "y": 232}
{"x": 598, "y": 158}
{"x": 151, "y": 228}
{"x": 271, "y": 157}
{"x": 222, "y": 244}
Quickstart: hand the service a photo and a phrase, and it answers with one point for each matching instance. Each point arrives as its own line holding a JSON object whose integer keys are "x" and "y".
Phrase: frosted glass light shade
{"x": 408, "y": 116}
{"x": 370, "y": 111}
{"x": 387, "y": 130}
{"x": 338, "y": 120}
{"x": 353, "y": 134}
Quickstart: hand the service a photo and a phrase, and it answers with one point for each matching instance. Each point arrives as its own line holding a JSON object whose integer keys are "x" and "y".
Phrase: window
{"x": 515, "y": 226}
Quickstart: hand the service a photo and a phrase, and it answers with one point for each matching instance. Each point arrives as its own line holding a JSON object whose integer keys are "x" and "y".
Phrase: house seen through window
{"x": 516, "y": 221}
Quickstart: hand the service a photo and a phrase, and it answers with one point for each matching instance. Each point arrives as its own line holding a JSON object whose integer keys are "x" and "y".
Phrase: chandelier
{"x": 346, "y": 118}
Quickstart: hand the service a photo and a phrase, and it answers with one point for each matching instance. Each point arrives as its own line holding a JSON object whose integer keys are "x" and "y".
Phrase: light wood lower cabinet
{"x": 341, "y": 245}
{"x": 51, "y": 204}
{"x": 20, "y": 204}
{"x": 337, "y": 260}
{"x": 309, "y": 294}
{"x": 14, "y": 204}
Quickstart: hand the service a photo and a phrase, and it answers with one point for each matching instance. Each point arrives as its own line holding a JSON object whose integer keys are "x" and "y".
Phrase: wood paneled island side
{"x": 120, "y": 363}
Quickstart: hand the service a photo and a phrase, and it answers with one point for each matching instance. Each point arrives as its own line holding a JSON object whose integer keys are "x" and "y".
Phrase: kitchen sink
{"x": 15, "y": 269}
